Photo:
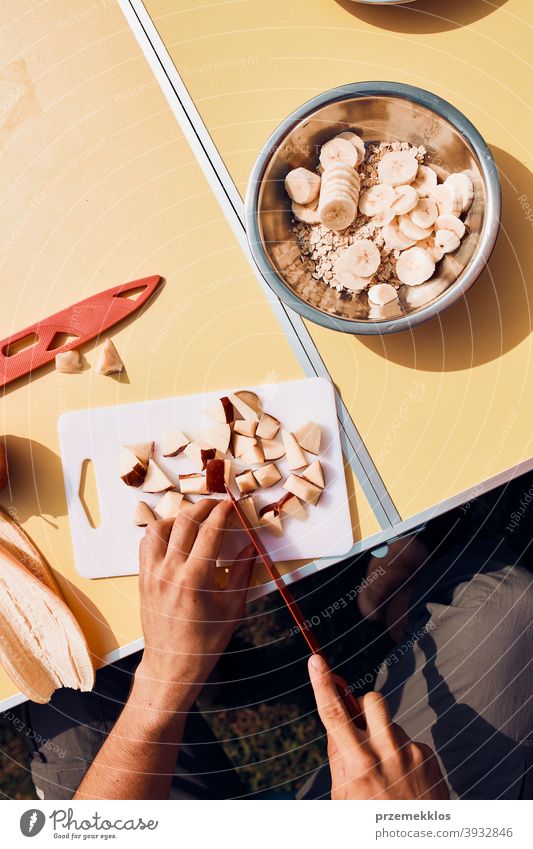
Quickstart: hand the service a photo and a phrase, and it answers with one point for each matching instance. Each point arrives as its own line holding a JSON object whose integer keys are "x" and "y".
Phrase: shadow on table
{"x": 35, "y": 481}
{"x": 495, "y": 315}
{"x": 422, "y": 17}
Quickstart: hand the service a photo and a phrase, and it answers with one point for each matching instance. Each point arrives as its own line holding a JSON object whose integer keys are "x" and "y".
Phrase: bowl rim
{"x": 487, "y": 236}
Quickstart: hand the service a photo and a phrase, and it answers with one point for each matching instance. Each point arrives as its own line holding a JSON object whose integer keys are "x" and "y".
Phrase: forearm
{"x": 138, "y": 758}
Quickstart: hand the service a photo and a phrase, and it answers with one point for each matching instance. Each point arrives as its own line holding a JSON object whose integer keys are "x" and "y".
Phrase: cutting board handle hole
{"x": 59, "y": 340}
{"x": 88, "y": 493}
{"x": 132, "y": 294}
{"x": 19, "y": 345}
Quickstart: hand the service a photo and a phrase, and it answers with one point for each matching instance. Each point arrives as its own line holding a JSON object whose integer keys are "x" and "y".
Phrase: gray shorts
{"x": 461, "y": 682}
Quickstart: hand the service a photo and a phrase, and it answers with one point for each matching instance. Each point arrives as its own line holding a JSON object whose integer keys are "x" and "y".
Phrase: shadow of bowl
{"x": 422, "y": 17}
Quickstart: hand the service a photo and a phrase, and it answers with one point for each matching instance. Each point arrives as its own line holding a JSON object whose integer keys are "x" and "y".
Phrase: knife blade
{"x": 29, "y": 349}
{"x": 350, "y": 702}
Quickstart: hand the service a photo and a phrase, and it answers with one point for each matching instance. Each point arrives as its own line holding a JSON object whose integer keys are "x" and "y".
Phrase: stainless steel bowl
{"x": 378, "y": 111}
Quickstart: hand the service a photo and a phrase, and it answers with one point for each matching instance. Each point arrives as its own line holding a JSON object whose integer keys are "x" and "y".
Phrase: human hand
{"x": 187, "y": 620}
{"x": 379, "y": 763}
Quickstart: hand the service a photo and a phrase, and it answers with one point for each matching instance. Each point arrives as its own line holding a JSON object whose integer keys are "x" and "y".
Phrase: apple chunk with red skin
{"x": 290, "y": 506}
{"x": 193, "y": 484}
{"x": 218, "y": 436}
{"x": 314, "y": 474}
{"x": 270, "y": 519}
{"x": 268, "y": 426}
{"x": 170, "y": 505}
{"x": 267, "y": 476}
{"x": 156, "y": 480}
{"x": 131, "y": 470}
{"x": 246, "y": 481}
{"x": 143, "y": 515}
{"x": 245, "y": 410}
{"x": 173, "y": 443}
{"x": 295, "y": 455}
{"x": 303, "y": 489}
{"x": 223, "y": 411}
{"x": 218, "y": 475}
{"x": 308, "y": 437}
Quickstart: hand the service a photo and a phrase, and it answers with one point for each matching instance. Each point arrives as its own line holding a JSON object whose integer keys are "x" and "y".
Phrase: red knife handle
{"x": 349, "y": 701}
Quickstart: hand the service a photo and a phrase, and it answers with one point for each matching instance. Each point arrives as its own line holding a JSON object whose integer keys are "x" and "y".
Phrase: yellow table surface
{"x": 100, "y": 187}
{"x": 447, "y": 406}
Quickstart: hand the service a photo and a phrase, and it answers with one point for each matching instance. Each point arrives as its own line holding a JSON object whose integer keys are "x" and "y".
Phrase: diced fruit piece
{"x": 143, "y": 515}
{"x": 268, "y": 427}
{"x": 272, "y": 449}
{"x": 308, "y": 437}
{"x": 302, "y": 185}
{"x": 251, "y": 399}
{"x": 295, "y": 456}
{"x": 174, "y": 442}
{"x": 270, "y": 520}
{"x": 425, "y": 181}
{"x": 193, "y": 484}
{"x": 450, "y": 222}
{"x": 338, "y": 150}
{"x": 307, "y": 213}
{"x": 199, "y": 453}
{"x": 447, "y": 241}
{"x": 109, "y": 361}
{"x": 357, "y": 142}
{"x": 223, "y": 411}
{"x": 132, "y": 471}
{"x": 218, "y": 435}
{"x": 398, "y": 168}
{"x": 376, "y": 200}
{"x": 247, "y": 503}
{"x": 415, "y": 266}
{"x": 242, "y": 444}
{"x": 143, "y": 451}
{"x": 69, "y": 362}
{"x": 314, "y": 474}
{"x": 170, "y": 505}
{"x": 381, "y": 294}
{"x": 303, "y": 489}
{"x": 246, "y": 481}
{"x": 218, "y": 475}
{"x": 253, "y": 456}
{"x": 156, "y": 480}
{"x": 462, "y": 189}
{"x": 290, "y": 506}
{"x": 245, "y": 410}
{"x": 244, "y": 427}
{"x": 267, "y": 475}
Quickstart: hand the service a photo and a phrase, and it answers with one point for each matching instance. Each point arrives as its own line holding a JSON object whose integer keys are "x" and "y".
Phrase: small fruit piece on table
{"x": 295, "y": 456}
{"x": 109, "y": 361}
{"x": 246, "y": 481}
{"x": 132, "y": 471}
{"x": 199, "y": 453}
{"x": 272, "y": 449}
{"x": 308, "y": 437}
{"x": 143, "y": 515}
{"x": 290, "y": 506}
{"x": 142, "y": 450}
{"x": 270, "y": 519}
{"x": 218, "y": 435}
{"x": 253, "y": 456}
{"x": 242, "y": 444}
{"x": 268, "y": 427}
{"x": 3, "y": 465}
{"x": 245, "y": 428}
{"x": 217, "y": 475}
{"x": 69, "y": 362}
{"x": 223, "y": 411}
{"x": 193, "y": 484}
{"x": 303, "y": 489}
{"x": 170, "y": 505}
{"x": 247, "y": 504}
{"x": 267, "y": 475}
{"x": 243, "y": 407}
{"x": 174, "y": 442}
{"x": 156, "y": 480}
{"x": 314, "y": 474}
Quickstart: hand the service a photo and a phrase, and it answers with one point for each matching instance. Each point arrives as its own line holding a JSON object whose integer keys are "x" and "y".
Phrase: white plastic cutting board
{"x": 98, "y": 434}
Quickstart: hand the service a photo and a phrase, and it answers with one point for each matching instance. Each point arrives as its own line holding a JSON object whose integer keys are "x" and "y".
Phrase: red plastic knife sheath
{"x": 85, "y": 320}
{"x": 350, "y": 702}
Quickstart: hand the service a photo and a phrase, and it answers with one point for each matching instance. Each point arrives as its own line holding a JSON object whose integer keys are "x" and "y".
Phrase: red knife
{"x": 350, "y": 702}
{"x": 29, "y": 349}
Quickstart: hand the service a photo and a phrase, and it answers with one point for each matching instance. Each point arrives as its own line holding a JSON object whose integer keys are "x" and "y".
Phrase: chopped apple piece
{"x": 314, "y": 474}
{"x": 156, "y": 480}
{"x": 170, "y": 505}
{"x": 273, "y": 450}
{"x": 143, "y": 515}
{"x": 308, "y": 437}
{"x": 251, "y": 399}
{"x": 218, "y": 475}
{"x": 244, "y": 410}
{"x": 218, "y": 435}
{"x": 132, "y": 471}
{"x": 200, "y": 453}
{"x": 174, "y": 442}
{"x": 242, "y": 444}
{"x": 69, "y": 362}
{"x": 247, "y": 503}
{"x": 193, "y": 484}
{"x": 223, "y": 411}
{"x": 303, "y": 489}
{"x": 271, "y": 521}
{"x": 267, "y": 475}
{"x": 143, "y": 451}
{"x": 109, "y": 361}
{"x": 246, "y": 481}
{"x": 244, "y": 427}
{"x": 290, "y": 505}
{"x": 268, "y": 426}
{"x": 253, "y": 456}
{"x": 295, "y": 455}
